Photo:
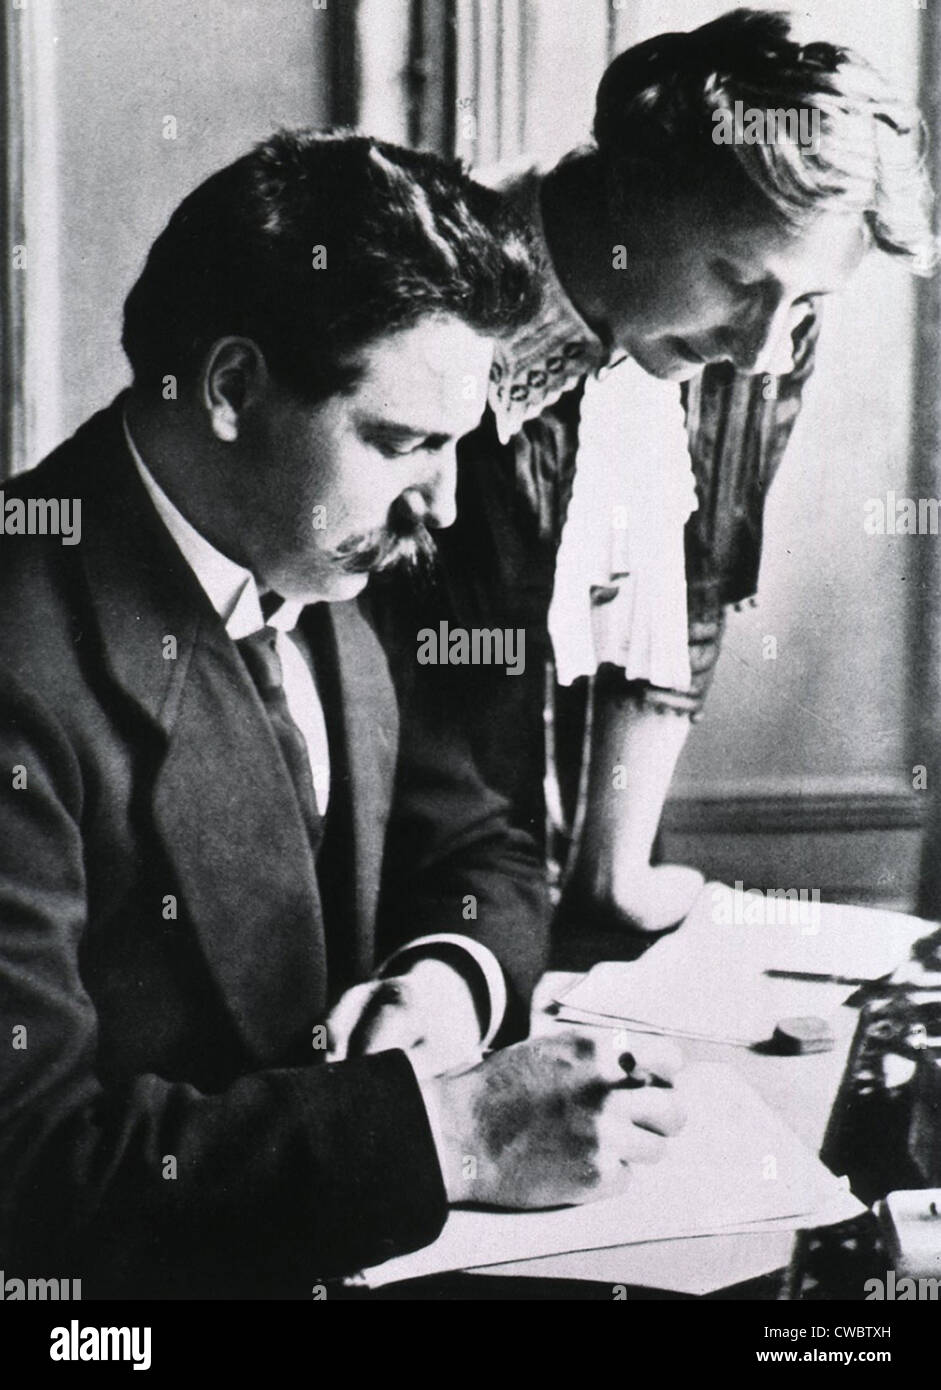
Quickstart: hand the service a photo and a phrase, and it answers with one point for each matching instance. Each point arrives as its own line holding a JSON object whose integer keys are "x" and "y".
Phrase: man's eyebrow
{"x": 398, "y": 432}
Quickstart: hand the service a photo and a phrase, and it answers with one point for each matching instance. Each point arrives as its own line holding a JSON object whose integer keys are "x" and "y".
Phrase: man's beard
{"x": 404, "y": 543}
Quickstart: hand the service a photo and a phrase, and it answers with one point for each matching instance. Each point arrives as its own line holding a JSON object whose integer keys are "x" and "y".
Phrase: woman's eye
{"x": 732, "y": 278}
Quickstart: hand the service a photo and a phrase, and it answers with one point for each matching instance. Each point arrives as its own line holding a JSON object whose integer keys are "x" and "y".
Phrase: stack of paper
{"x": 735, "y": 1167}
{"x": 738, "y": 965}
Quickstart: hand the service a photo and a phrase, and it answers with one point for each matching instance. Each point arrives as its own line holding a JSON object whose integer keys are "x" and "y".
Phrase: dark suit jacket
{"x": 167, "y": 1129}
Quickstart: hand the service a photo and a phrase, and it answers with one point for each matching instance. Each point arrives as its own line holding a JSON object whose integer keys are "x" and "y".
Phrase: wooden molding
{"x": 12, "y": 233}
{"x": 787, "y": 813}
{"x": 860, "y": 846}
{"x": 29, "y": 217}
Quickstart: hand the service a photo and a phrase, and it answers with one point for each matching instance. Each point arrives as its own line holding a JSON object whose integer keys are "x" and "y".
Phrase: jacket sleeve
{"x": 152, "y": 1188}
{"x": 454, "y": 862}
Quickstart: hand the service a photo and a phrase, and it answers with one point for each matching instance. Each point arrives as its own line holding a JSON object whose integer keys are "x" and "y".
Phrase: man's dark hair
{"x": 316, "y": 243}
{"x": 659, "y": 102}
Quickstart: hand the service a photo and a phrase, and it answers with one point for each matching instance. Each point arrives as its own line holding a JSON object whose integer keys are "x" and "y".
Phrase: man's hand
{"x": 428, "y": 1013}
{"x": 555, "y": 1120}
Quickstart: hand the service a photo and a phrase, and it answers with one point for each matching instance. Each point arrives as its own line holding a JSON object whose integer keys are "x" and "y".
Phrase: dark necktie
{"x": 260, "y": 655}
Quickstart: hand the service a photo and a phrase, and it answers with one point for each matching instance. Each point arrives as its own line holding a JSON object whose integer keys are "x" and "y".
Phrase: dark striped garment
{"x": 497, "y": 561}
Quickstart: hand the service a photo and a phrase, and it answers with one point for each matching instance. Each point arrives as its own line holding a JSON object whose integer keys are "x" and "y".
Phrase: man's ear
{"x": 234, "y": 377}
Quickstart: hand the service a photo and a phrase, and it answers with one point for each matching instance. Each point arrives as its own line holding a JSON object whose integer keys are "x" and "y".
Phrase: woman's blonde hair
{"x": 660, "y": 103}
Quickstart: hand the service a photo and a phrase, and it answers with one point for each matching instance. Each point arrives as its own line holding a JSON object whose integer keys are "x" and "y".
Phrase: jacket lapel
{"x": 226, "y": 811}
{"x": 223, "y": 805}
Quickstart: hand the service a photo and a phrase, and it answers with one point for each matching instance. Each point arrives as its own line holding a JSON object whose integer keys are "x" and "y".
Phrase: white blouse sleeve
{"x": 620, "y": 579}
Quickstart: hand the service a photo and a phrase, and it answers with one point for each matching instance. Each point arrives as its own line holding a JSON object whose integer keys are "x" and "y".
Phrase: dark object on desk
{"x": 924, "y": 1135}
{"x": 928, "y": 950}
{"x": 823, "y": 979}
{"x": 868, "y": 1135}
{"x": 868, "y": 1140}
{"x": 796, "y": 1036}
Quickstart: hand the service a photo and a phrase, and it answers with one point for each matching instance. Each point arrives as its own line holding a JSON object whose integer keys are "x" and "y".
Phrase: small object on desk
{"x": 927, "y": 951}
{"x": 924, "y": 1138}
{"x": 635, "y": 1076}
{"x": 911, "y": 1225}
{"x": 794, "y": 1037}
{"x": 821, "y": 978}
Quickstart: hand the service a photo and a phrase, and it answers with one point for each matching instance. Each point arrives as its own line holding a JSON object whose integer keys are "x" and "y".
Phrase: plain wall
{"x": 228, "y": 72}
{"x": 829, "y": 712}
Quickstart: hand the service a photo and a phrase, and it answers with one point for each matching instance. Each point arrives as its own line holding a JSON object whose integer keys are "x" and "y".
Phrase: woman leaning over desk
{"x": 610, "y": 516}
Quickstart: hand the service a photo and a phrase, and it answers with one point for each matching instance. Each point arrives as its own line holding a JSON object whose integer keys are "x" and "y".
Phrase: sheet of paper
{"x": 734, "y": 1007}
{"x": 698, "y": 1266}
{"x": 734, "y": 1164}
{"x": 710, "y": 977}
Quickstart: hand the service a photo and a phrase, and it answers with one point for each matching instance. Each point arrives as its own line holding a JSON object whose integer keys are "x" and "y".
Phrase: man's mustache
{"x": 405, "y": 540}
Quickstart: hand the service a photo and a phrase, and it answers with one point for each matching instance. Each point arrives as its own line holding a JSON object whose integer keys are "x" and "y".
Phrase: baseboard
{"x": 862, "y": 846}
{"x": 787, "y": 812}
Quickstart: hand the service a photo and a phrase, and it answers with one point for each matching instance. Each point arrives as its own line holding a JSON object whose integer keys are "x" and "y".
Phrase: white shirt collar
{"x": 230, "y": 588}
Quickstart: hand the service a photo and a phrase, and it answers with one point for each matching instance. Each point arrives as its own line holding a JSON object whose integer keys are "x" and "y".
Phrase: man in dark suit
{"x": 257, "y": 909}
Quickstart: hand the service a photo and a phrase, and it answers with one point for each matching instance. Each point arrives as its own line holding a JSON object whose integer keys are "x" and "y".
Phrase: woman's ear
{"x": 234, "y": 377}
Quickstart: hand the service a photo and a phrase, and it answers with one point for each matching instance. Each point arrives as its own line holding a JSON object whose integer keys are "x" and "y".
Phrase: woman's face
{"x": 705, "y": 282}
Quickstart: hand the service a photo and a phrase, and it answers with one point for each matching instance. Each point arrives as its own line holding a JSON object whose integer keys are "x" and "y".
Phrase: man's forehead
{"x": 434, "y": 346}
{"x": 426, "y": 376}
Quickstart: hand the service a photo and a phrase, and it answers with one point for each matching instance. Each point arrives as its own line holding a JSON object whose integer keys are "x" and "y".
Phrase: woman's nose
{"x": 758, "y": 341}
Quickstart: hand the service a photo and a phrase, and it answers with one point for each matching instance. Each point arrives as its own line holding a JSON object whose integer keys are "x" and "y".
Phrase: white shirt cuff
{"x": 483, "y": 958}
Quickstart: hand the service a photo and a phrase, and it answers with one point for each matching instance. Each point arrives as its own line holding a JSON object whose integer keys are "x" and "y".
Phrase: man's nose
{"x": 442, "y": 493}
{"x": 757, "y": 342}
{"x": 435, "y": 502}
